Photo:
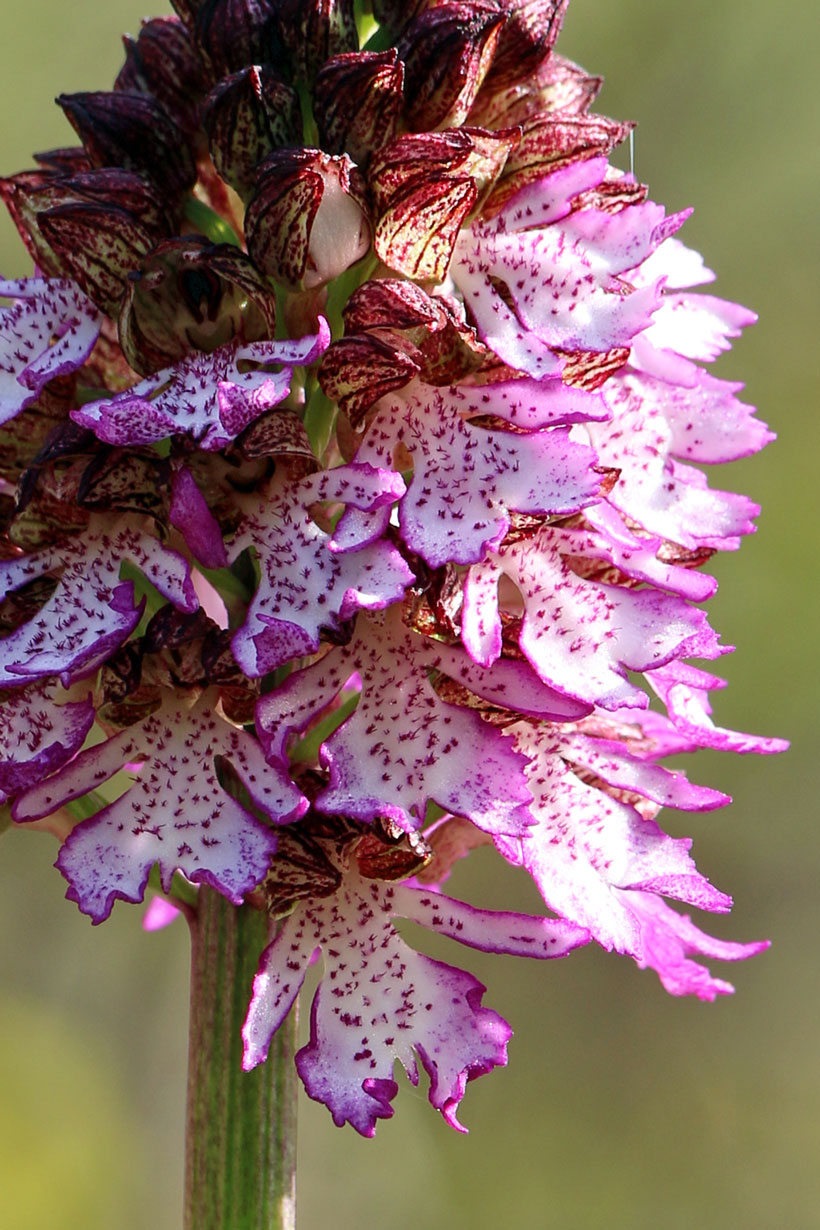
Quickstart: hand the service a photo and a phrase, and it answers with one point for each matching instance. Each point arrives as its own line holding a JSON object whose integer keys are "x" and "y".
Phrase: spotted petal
{"x": 467, "y": 478}
{"x": 547, "y": 200}
{"x": 379, "y": 1000}
{"x": 588, "y": 851}
{"x": 305, "y": 584}
{"x": 212, "y": 397}
{"x": 49, "y": 330}
{"x": 91, "y": 612}
{"x": 562, "y": 290}
{"x": 176, "y": 813}
{"x": 38, "y": 734}
{"x": 402, "y": 746}
{"x": 653, "y": 423}
{"x": 580, "y": 636}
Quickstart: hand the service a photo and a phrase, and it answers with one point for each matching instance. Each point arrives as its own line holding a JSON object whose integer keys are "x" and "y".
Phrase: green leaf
{"x": 87, "y": 805}
{"x": 209, "y": 223}
{"x": 320, "y": 415}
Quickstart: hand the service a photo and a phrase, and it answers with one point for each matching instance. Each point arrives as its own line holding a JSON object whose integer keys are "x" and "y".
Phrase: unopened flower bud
{"x": 424, "y": 186}
{"x": 163, "y": 62}
{"x": 307, "y": 221}
{"x": 186, "y": 10}
{"x": 528, "y": 36}
{"x": 133, "y": 131}
{"x": 447, "y": 51}
{"x": 94, "y": 227}
{"x": 248, "y": 116}
{"x": 357, "y": 102}
{"x": 97, "y": 246}
{"x": 231, "y": 34}
{"x": 314, "y": 30}
{"x": 70, "y": 160}
{"x": 553, "y": 141}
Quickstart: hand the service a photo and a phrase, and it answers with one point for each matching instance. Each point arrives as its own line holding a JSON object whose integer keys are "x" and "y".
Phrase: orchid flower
{"x": 353, "y": 415}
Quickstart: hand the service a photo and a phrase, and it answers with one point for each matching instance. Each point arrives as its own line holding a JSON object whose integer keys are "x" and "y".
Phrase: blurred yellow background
{"x": 622, "y": 1109}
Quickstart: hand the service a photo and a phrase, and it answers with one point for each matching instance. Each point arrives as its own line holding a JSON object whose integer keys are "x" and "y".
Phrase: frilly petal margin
{"x": 211, "y": 397}
{"x": 684, "y": 689}
{"x": 581, "y": 637}
{"x": 48, "y": 331}
{"x": 91, "y": 612}
{"x": 668, "y": 939}
{"x": 655, "y": 423}
{"x": 403, "y": 746}
{"x": 559, "y": 272}
{"x": 176, "y": 813}
{"x": 380, "y": 1000}
{"x": 600, "y": 862}
{"x": 38, "y": 734}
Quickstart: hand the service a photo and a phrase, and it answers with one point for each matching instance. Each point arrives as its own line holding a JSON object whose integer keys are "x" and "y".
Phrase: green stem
{"x": 240, "y": 1165}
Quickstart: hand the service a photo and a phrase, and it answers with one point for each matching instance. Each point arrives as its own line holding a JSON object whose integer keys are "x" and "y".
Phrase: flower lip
{"x": 211, "y": 837}
{"x": 212, "y": 397}
{"x": 397, "y": 1001}
{"x": 47, "y": 332}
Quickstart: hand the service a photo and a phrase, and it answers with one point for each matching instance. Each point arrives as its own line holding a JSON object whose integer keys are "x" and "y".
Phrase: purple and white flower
{"x": 379, "y": 1000}
{"x": 49, "y": 331}
{"x": 420, "y": 415}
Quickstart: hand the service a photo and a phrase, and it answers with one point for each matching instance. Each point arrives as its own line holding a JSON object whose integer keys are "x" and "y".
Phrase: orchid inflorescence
{"x": 350, "y": 515}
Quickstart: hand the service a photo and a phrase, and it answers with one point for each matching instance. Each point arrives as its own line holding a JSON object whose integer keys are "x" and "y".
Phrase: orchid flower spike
{"x": 350, "y": 445}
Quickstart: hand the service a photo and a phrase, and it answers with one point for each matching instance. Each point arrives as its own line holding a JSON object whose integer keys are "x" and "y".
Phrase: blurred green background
{"x": 621, "y": 1107}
